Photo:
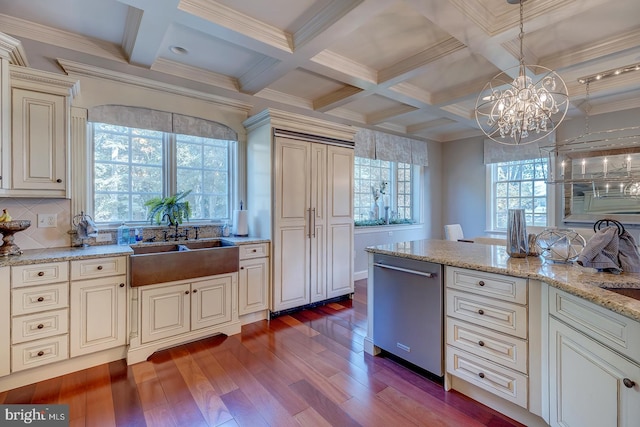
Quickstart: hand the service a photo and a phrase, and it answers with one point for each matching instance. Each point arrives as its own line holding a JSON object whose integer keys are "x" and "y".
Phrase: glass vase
{"x": 517, "y": 243}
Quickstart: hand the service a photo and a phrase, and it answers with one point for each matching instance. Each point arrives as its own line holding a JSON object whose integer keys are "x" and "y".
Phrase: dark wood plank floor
{"x": 303, "y": 369}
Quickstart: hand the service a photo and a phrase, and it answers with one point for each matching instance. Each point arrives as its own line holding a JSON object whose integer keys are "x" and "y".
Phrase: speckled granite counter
{"x": 36, "y": 256}
{"x": 583, "y": 282}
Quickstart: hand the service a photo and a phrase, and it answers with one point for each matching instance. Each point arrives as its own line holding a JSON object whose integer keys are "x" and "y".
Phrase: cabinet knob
{"x": 99, "y": 267}
{"x": 58, "y": 180}
{"x": 40, "y": 273}
{"x": 40, "y": 299}
{"x": 481, "y": 311}
{"x": 481, "y": 283}
{"x": 41, "y": 353}
{"x": 195, "y": 290}
{"x": 186, "y": 292}
{"x": 254, "y": 251}
{"x": 481, "y": 343}
{"x": 628, "y": 383}
{"x": 481, "y": 375}
{"x": 122, "y": 285}
{"x": 241, "y": 268}
{"x": 40, "y": 326}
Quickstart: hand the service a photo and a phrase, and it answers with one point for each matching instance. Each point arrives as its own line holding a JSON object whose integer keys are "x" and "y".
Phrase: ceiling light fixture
{"x": 178, "y": 50}
{"x": 524, "y": 109}
{"x": 609, "y": 73}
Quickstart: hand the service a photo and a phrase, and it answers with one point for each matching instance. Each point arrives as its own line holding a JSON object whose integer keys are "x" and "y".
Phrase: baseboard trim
{"x": 360, "y": 275}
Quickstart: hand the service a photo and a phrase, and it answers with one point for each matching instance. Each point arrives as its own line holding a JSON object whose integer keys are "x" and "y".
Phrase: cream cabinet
{"x": 35, "y": 162}
{"x": 487, "y": 332}
{"x": 39, "y": 314}
{"x": 5, "y": 322}
{"x": 253, "y": 278}
{"x": 176, "y": 309}
{"x": 594, "y": 364}
{"x": 98, "y": 301}
{"x": 300, "y": 196}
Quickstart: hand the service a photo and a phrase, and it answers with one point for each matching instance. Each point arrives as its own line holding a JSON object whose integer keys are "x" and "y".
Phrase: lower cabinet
{"x": 5, "y": 322}
{"x": 590, "y": 384}
{"x": 175, "y": 309}
{"x": 253, "y": 281}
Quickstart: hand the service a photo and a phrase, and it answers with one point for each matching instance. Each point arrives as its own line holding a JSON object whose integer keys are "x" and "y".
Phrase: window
{"x": 133, "y": 165}
{"x": 519, "y": 185}
{"x": 394, "y": 186}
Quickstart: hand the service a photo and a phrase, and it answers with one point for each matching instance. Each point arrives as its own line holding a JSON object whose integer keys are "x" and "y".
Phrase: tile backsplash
{"x": 40, "y": 238}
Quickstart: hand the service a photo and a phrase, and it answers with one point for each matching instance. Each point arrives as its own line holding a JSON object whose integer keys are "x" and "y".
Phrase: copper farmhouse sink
{"x": 151, "y": 264}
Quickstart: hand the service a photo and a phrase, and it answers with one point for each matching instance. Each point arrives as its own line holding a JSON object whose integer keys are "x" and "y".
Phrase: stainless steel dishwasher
{"x": 408, "y": 310}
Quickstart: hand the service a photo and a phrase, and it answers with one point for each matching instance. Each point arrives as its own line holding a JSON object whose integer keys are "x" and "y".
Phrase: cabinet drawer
{"x": 39, "y": 298}
{"x": 505, "y": 383}
{"x": 39, "y": 274}
{"x": 39, "y": 325}
{"x": 612, "y": 329}
{"x": 492, "y": 285}
{"x": 257, "y": 250}
{"x": 500, "y": 316}
{"x": 37, "y": 353}
{"x": 503, "y": 349}
{"x": 98, "y": 267}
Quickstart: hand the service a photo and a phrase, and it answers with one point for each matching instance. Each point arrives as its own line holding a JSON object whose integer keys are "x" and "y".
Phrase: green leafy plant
{"x": 174, "y": 208}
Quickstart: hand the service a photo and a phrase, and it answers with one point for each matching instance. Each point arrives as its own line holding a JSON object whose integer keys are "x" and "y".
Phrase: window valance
{"x": 382, "y": 146}
{"x": 145, "y": 118}
{"x": 495, "y": 152}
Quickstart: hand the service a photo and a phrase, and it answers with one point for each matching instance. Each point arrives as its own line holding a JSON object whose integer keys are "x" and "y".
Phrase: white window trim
{"x": 490, "y": 196}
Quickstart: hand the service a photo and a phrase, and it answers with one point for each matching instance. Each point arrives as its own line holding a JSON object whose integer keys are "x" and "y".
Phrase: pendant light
{"x": 525, "y": 108}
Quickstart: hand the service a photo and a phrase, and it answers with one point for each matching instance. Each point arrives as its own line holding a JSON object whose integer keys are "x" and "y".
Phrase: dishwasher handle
{"x": 405, "y": 270}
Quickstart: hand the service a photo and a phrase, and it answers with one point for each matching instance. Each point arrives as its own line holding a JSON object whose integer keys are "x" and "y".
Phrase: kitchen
{"x": 453, "y": 183}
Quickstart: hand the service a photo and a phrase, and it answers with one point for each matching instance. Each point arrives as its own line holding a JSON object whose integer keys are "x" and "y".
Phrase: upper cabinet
{"x": 35, "y": 159}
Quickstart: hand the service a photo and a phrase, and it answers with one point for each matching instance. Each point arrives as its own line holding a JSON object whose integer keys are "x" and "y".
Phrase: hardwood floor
{"x": 303, "y": 369}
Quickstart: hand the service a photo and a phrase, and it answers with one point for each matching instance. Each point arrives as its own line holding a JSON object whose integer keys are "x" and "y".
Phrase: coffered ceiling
{"x": 412, "y": 67}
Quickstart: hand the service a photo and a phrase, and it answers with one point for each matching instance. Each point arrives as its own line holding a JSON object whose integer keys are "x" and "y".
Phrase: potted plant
{"x": 174, "y": 208}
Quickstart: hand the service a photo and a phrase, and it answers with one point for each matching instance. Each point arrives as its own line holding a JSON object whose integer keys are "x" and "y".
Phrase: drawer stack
{"x": 39, "y": 314}
{"x": 487, "y": 332}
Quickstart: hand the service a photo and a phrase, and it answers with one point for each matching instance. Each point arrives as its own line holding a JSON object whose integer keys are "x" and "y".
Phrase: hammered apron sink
{"x": 179, "y": 261}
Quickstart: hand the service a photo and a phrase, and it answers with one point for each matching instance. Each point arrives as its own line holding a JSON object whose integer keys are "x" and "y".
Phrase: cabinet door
{"x": 98, "y": 314}
{"x": 165, "y": 311}
{"x": 339, "y": 221}
{"x": 39, "y": 141}
{"x": 292, "y": 218}
{"x": 587, "y": 382}
{"x": 253, "y": 285}
{"x": 211, "y": 301}
{"x": 318, "y": 224}
{"x": 5, "y": 322}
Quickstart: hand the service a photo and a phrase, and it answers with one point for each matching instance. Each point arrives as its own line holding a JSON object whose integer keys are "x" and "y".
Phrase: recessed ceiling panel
{"x": 390, "y": 37}
{"x": 206, "y": 52}
{"x": 304, "y": 84}
{"x": 283, "y": 14}
{"x": 373, "y": 104}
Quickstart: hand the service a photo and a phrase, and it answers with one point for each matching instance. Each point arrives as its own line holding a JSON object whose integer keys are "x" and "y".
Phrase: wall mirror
{"x": 601, "y": 184}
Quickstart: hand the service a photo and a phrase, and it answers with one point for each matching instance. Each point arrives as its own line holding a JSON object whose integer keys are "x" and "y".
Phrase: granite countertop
{"x": 583, "y": 282}
{"x": 37, "y": 256}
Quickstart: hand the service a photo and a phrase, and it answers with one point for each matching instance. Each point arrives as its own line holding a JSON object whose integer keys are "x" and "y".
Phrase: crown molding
{"x": 281, "y": 97}
{"x": 298, "y": 123}
{"x": 321, "y": 21}
{"x": 346, "y": 66}
{"x": 28, "y": 78}
{"x": 84, "y": 70}
{"x": 196, "y": 74}
{"x": 222, "y": 15}
{"x": 12, "y": 49}
{"x": 40, "y": 33}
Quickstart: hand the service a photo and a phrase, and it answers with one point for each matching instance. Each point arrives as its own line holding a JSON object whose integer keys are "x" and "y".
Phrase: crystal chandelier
{"x": 523, "y": 109}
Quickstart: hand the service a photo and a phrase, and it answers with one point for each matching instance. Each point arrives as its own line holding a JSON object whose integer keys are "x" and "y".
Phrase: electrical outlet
{"x": 47, "y": 220}
{"x": 103, "y": 237}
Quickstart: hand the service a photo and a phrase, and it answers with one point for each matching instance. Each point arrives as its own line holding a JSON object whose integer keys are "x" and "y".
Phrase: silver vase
{"x": 517, "y": 244}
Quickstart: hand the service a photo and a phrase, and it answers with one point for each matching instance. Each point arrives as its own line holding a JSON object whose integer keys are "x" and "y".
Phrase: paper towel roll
{"x": 240, "y": 223}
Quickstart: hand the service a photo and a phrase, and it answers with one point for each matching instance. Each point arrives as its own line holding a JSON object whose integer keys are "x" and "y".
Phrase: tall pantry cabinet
{"x": 300, "y": 196}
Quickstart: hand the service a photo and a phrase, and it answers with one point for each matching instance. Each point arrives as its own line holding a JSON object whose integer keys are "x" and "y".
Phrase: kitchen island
{"x": 543, "y": 343}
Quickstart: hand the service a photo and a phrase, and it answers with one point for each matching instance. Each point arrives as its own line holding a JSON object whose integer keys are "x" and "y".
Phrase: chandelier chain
{"x": 587, "y": 110}
{"x": 521, "y": 35}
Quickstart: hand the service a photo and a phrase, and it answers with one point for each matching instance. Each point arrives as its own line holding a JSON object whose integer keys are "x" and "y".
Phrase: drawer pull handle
{"x": 40, "y": 353}
{"x": 628, "y": 383}
{"x": 481, "y": 283}
{"x": 40, "y": 326}
{"x": 40, "y": 299}
{"x": 481, "y": 311}
{"x": 122, "y": 285}
{"x": 481, "y": 343}
{"x": 481, "y": 375}
{"x": 99, "y": 267}
{"x": 40, "y": 273}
